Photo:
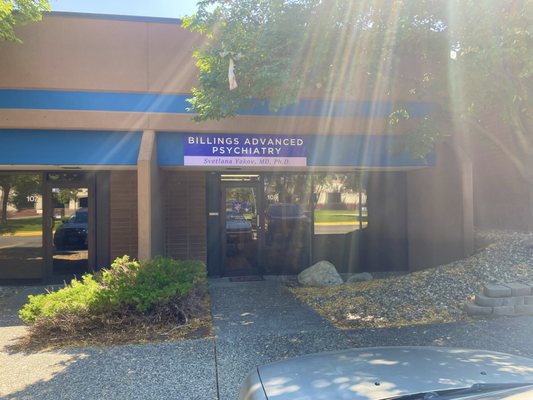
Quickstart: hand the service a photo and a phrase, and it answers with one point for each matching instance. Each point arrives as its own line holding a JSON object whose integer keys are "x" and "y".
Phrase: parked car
{"x": 285, "y": 222}
{"x": 399, "y": 373}
{"x": 72, "y": 234}
{"x": 238, "y": 231}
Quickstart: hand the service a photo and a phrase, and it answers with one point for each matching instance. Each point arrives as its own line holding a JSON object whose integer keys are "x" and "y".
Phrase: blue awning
{"x": 55, "y": 147}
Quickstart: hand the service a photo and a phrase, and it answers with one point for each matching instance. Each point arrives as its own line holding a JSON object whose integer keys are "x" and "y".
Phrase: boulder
{"x": 360, "y": 277}
{"x": 323, "y": 273}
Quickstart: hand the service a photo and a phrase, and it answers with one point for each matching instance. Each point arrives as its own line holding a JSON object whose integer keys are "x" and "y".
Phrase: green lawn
{"x": 333, "y": 216}
{"x": 22, "y": 225}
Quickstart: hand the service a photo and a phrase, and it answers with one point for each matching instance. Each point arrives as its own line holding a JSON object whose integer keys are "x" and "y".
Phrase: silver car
{"x": 400, "y": 373}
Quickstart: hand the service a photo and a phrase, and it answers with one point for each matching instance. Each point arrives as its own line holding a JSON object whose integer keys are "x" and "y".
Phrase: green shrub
{"x": 121, "y": 275}
{"x": 160, "y": 280}
{"x": 150, "y": 283}
{"x": 76, "y": 297}
{"x": 127, "y": 287}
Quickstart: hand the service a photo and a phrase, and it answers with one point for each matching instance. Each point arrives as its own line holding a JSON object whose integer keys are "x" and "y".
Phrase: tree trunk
{"x": 5, "y": 198}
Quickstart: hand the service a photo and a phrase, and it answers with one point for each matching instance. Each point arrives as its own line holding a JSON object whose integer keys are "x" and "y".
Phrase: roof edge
{"x": 113, "y": 17}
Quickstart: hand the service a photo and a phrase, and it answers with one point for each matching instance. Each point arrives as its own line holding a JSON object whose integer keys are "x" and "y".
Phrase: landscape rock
{"x": 359, "y": 277}
{"x": 323, "y": 273}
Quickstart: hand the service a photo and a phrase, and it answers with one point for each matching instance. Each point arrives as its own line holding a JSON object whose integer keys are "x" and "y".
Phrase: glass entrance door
{"x": 241, "y": 228}
{"x": 21, "y": 235}
{"x": 266, "y": 223}
{"x": 69, "y": 227}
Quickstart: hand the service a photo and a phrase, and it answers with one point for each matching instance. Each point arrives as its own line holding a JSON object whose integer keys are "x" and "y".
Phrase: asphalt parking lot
{"x": 255, "y": 323}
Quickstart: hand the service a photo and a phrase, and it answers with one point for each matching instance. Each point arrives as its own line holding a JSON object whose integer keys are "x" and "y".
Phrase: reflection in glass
{"x": 70, "y": 231}
{"x": 65, "y": 176}
{"x": 287, "y": 223}
{"x": 340, "y": 204}
{"x": 21, "y": 213}
{"x": 241, "y": 229}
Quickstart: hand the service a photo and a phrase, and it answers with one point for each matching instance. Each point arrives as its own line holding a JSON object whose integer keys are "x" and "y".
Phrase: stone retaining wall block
{"x": 528, "y": 300}
{"x": 474, "y": 309}
{"x": 495, "y": 290}
{"x": 485, "y": 301}
{"x": 519, "y": 289}
{"x": 513, "y": 301}
{"x": 524, "y": 309}
{"x": 504, "y": 310}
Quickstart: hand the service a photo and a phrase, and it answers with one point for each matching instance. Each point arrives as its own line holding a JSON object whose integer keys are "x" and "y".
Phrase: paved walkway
{"x": 261, "y": 322}
{"x": 255, "y": 323}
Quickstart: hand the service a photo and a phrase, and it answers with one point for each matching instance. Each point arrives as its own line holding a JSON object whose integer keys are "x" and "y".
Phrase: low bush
{"x": 150, "y": 284}
{"x": 129, "y": 293}
{"x": 77, "y": 297}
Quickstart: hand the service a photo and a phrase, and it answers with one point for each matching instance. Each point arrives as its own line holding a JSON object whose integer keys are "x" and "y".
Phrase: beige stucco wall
{"x": 75, "y": 53}
{"x": 100, "y": 54}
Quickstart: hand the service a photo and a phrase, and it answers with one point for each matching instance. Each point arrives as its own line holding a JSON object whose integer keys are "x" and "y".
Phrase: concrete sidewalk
{"x": 171, "y": 370}
{"x": 255, "y": 323}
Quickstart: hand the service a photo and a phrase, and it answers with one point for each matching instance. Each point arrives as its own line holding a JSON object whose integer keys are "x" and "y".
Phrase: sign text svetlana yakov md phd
{"x": 244, "y": 150}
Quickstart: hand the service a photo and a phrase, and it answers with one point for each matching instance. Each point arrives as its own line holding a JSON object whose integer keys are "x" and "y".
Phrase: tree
{"x": 282, "y": 48}
{"x": 472, "y": 58}
{"x": 19, "y": 12}
{"x": 491, "y": 78}
{"x": 15, "y": 189}
{"x": 66, "y": 195}
{"x": 6, "y": 183}
{"x": 25, "y": 187}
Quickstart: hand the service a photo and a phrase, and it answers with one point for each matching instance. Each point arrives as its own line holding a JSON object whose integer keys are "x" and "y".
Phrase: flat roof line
{"x": 113, "y": 17}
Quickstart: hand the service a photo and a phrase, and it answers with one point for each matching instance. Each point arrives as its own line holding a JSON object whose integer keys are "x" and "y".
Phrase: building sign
{"x": 245, "y": 150}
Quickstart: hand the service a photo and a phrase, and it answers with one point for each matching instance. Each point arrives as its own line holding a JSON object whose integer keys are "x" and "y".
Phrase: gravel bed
{"x": 434, "y": 295}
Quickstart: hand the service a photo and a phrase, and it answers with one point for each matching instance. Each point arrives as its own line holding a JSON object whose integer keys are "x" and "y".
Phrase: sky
{"x": 147, "y": 8}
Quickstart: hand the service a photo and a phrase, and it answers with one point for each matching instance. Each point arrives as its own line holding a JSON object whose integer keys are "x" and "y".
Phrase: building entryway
{"x": 69, "y": 225}
{"x": 47, "y": 226}
{"x": 242, "y": 229}
{"x": 266, "y": 223}
{"x": 280, "y": 223}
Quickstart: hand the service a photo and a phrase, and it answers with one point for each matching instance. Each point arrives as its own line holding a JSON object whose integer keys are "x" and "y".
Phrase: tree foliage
{"x": 17, "y": 12}
{"x": 65, "y": 196}
{"x": 472, "y": 58}
{"x": 491, "y": 76}
{"x": 282, "y": 48}
{"x": 468, "y": 56}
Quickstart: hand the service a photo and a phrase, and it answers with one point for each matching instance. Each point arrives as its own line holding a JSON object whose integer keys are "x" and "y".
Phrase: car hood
{"x": 384, "y": 372}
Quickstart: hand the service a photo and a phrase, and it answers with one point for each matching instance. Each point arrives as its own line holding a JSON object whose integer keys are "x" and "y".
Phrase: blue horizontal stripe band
{"x": 53, "y": 147}
{"x": 178, "y": 104}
